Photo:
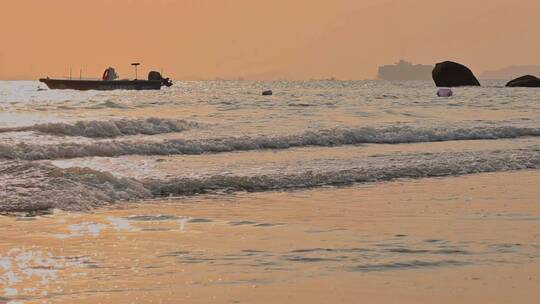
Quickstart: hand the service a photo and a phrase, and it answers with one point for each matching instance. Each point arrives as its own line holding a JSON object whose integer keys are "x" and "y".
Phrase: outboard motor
{"x": 154, "y": 75}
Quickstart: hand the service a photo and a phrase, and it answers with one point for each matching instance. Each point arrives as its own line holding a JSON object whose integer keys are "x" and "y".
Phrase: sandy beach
{"x": 469, "y": 239}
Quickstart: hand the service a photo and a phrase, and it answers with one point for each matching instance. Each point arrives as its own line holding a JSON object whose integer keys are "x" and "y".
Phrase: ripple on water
{"x": 417, "y": 264}
{"x": 152, "y": 218}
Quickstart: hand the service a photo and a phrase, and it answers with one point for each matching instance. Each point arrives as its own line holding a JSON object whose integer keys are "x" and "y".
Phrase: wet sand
{"x": 468, "y": 239}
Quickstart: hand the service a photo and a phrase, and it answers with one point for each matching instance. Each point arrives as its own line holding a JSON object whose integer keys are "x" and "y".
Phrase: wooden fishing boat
{"x": 105, "y": 85}
{"x": 108, "y": 82}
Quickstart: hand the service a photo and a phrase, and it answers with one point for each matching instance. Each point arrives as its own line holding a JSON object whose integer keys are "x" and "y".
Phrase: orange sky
{"x": 262, "y": 39}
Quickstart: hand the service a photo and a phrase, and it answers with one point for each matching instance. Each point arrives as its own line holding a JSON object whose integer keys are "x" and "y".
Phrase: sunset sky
{"x": 262, "y": 39}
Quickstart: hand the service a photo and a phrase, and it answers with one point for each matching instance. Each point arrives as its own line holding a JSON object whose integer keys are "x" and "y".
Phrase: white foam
{"x": 121, "y": 223}
{"x": 110, "y": 128}
{"x": 36, "y": 270}
{"x": 370, "y": 169}
{"x": 183, "y": 223}
{"x": 327, "y": 138}
{"x": 93, "y": 229}
{"x": 31, "y": 186}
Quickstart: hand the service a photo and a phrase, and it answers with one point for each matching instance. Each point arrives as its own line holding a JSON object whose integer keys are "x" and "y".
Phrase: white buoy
{"x": 443, "y": 92}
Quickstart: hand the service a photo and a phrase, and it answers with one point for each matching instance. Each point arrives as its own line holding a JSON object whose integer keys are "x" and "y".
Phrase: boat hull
{"x": 85, "y": 85}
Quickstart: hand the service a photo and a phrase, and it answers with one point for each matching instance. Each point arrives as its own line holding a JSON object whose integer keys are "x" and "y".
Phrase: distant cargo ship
{"x": 404, "y": 70}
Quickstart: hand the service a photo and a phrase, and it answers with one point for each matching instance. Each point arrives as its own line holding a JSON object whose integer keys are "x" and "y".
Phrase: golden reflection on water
{"x": 421, "y": 240}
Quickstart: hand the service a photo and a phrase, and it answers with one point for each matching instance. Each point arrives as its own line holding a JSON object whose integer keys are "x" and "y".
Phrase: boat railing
{"x": 76, "y": 78}
{"x": 86, "y": 78}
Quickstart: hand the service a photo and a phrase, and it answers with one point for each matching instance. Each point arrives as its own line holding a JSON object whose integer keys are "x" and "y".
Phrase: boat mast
{"x": 136, "y": 64}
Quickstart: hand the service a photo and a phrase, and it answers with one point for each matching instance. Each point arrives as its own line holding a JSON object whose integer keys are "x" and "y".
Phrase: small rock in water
{"x": 527, "y": 81}
{"x": 453, "y": 74}
{"x": 267, "y": 93}
{"x": 444, "y": 92}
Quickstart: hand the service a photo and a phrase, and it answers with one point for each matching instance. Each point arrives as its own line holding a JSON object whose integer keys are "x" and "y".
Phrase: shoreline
{"x": 447, "y": 239}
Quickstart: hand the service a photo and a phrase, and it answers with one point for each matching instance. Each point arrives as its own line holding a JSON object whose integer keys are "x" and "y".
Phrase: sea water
{"x": 327, "y": 191}
{"x": 215, "y": 136}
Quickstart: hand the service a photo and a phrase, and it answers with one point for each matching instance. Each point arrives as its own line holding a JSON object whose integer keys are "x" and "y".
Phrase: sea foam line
{"x": 27, "y": 186}
{"x": 110, "y": 128}
{"x": 383, "y": 168}
{"x": 326, "y": 138}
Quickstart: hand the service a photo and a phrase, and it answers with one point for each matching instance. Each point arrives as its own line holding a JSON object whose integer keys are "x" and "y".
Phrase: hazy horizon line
{"x": 255, "y": 78}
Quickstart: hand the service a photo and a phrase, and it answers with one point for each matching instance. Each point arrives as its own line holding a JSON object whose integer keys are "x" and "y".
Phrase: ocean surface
{"x": 325, "y": 192}
{"x": 78, "y": 150}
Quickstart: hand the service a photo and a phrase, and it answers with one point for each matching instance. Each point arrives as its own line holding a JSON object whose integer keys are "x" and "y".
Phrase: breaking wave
{"x": 375, "y": 169}
{"x": 30, "y": 186}
{"x": 326, "y": 138}
{"x": 111, "y": 128}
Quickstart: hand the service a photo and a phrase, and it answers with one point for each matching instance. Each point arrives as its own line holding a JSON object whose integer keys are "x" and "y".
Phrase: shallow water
{"x": 302, "y": 246}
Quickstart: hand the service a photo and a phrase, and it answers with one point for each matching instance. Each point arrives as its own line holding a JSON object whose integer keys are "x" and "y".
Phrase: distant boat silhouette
{"x": 404, "y": 70}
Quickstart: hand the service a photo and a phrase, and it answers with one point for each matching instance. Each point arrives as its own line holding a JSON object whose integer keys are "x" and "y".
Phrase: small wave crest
{"x": 110, "y": 128}
{"x": 386, "y": 168}
{"x": 29, "y": 186}
{"x": 325, "y": 138}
